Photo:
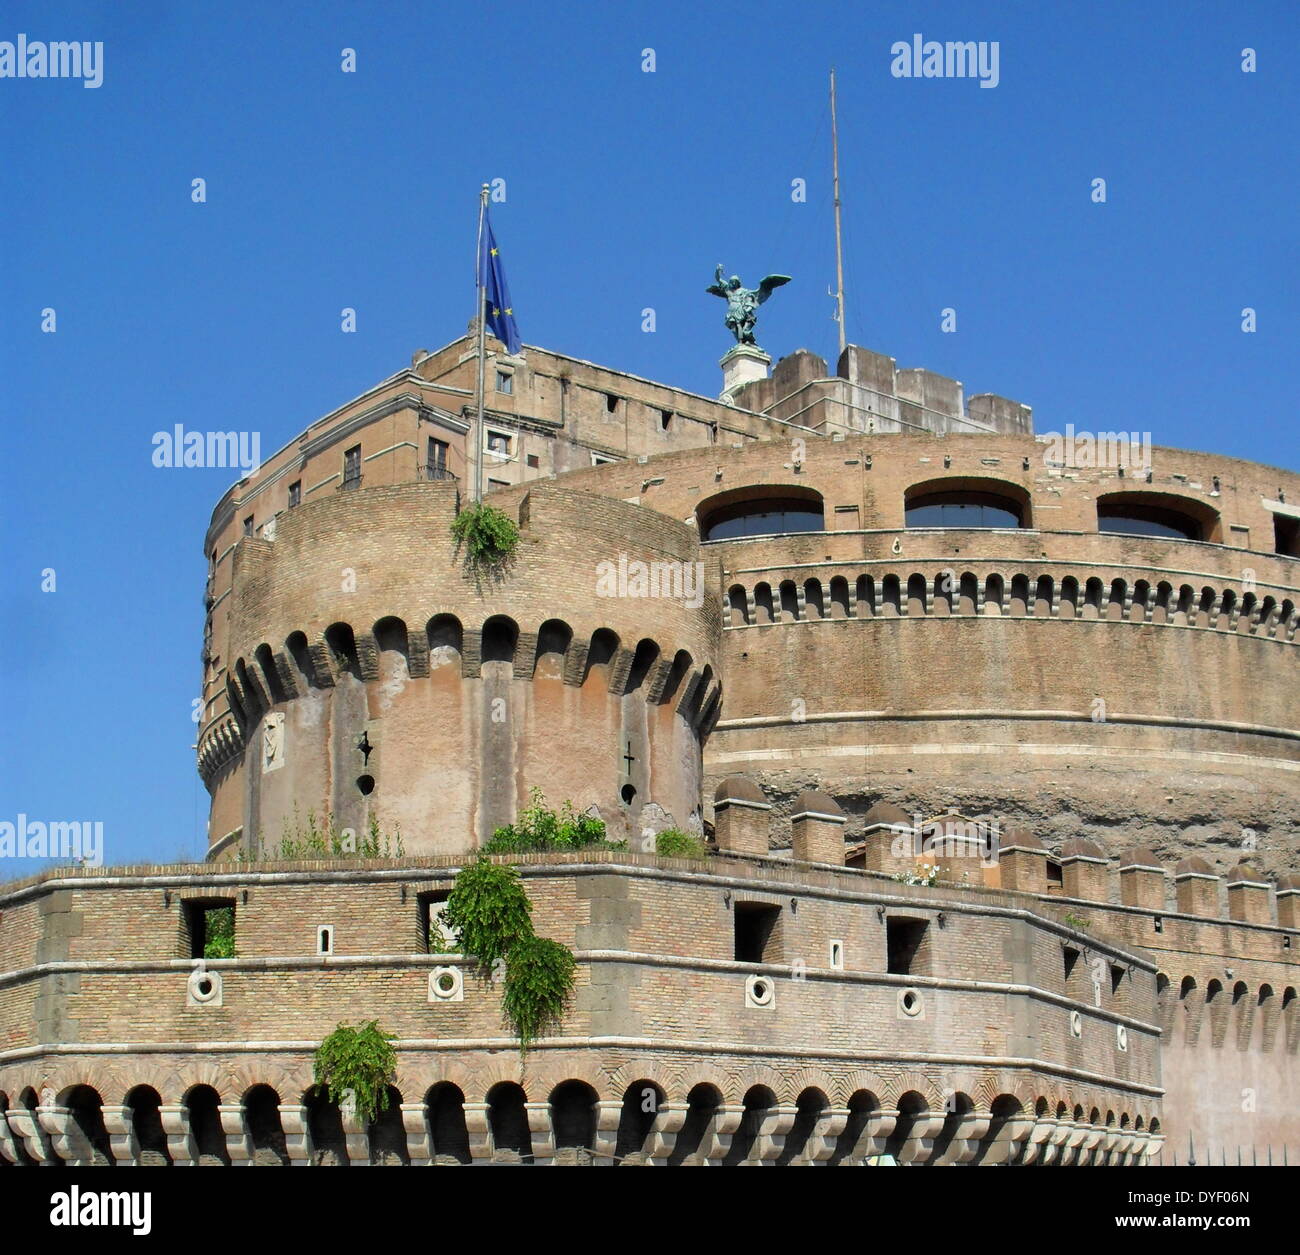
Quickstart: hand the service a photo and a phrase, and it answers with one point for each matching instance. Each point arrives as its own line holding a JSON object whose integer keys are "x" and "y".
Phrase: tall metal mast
{"x": 839, "y": 241}
{"x": 476, "y": 436}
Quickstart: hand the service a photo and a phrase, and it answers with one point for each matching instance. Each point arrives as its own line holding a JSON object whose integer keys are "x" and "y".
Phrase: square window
{"x": 908, "y": 946}
{"x": 533, "y": 461}
{"x": 295, "y": 493}
{"x": 210, "y": 928}
{"x": 505, "y": 382}
{"x": 498, "y": 443}
{"x": 757, "y": 932}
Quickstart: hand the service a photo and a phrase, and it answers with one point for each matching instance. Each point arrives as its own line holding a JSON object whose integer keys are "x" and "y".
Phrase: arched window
{"x": 761, "y": 510}
{"x": 1156, "y": 514}
{"x": 966, "y": 502}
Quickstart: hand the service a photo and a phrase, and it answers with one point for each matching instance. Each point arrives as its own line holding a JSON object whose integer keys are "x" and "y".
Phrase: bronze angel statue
{"x": 743, "y": 303}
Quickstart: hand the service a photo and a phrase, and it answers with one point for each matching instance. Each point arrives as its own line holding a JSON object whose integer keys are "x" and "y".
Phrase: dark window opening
{"x": 905, "y": 939}
{"x": 505, "y": 382}
{"x": 767, "y": 516}
{"x": 628, "y": 794}
{"x": 434, "y": 939}
{"x": 498, "y": 442}
{"x": 1054, "y": 875}
{"x": 611, "y": 403}
{"x": 533, "y": 461}
{"x": 352, "y": 467}
{"x": 366, "y": 784}
{"x": 1071, "y": 960}
{"x": 1141, "y": 520}
{"x": 665, "y": 420}
{"x": 295, "y": 493}
{"x": 248, "y": 526}
{"x": 210, "y": 927}
{"x": 963, "y": 509}
{"x": 498, "y": 483}
{"x": 757, "y": 931}
{"x": 1116, "y": 976}
{"x": 1286, "y": 536}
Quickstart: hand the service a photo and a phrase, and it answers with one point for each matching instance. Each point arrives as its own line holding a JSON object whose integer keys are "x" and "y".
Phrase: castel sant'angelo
{"x": 988, "y": 738}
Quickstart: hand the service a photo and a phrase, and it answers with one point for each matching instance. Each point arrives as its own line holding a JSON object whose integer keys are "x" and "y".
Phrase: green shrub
{"x": 488, "y": 910}
{"x": 488, "y": 537}
{"x": 540, "y": 828}
{"x": 674, "y": 843}
{"x": 355, "y": 1065}
{"x": 219, "y": 933}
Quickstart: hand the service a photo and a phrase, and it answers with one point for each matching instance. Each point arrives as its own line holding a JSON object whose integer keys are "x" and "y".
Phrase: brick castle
{"x": 848, "y": 627}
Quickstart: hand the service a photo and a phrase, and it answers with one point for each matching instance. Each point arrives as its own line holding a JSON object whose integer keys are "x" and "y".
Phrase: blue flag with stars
{"x": 492, "y": 279}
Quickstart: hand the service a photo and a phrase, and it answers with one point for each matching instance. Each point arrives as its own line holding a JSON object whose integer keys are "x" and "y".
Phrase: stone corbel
{"x": 297, "y": 1134}
{"x": 119, "y": 1124}
{"x": 239, "y": 1142}
{"x": 180, "y": 1140}
{"x": 542, "y": 1131}
{"x": 419, "y": 1137}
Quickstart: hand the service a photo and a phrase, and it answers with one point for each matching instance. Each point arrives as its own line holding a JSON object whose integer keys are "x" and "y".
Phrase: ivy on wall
{"x": 490, "y": 913}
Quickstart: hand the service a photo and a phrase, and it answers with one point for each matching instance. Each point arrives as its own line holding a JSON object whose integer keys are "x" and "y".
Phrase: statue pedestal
{"x": 741, "y": 364}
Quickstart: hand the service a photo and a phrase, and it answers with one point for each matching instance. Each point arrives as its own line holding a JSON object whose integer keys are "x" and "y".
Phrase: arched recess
{"x": 554, "y": 638}
{"x": 967, "y": 501}
{"x": 446, "y": 641}
{"x": 573, "y": 1115}
{"x": 205, "y": 1125}
{"x": 500, "y": 639}
{"x": 265, "y": 1131}
{"x": 144, "y": 1105}
{"x": 394, "y": 648}
{"x": 446, "y": 1107}
{"x": 760, "y": 510}
{"x": 645, "y": 656}
{"x": 642, "y": 1102}
{"x": 1159, "y": 514}
{"x": 693, "y": 1139}
{"x": 600, "y": 656}
{"x": 508, "y": 1122}
{"x": 737, "y": 606}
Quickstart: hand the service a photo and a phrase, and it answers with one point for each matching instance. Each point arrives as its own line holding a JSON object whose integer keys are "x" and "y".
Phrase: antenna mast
{"x": 839, "y": 241}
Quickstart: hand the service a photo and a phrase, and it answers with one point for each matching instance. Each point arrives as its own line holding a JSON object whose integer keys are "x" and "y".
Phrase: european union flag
{"x": 492, "y": 279}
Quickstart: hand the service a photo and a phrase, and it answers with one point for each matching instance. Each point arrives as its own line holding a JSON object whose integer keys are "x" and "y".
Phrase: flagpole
{"x": 476, "y": 455}
{"x": 839, "y": 243}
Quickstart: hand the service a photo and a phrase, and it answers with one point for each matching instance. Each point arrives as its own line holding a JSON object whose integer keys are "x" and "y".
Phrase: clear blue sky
{"x": 624, "y": 188}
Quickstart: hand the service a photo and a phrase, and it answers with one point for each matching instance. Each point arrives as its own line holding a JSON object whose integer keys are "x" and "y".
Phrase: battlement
{"x": 869, "y": 394}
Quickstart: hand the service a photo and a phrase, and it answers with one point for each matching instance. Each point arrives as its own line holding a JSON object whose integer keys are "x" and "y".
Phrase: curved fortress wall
{"x": 372, "y": 676}
{"x": 1137, "y": 687}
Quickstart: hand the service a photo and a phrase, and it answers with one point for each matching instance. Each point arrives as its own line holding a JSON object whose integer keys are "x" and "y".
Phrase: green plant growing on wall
{"x": 540, "y": 828}
{"x": 488, "y": 537}
{"x": 354, "y": 1067}
{"x": 488, "y": 910}
{"x": 491, "y": 916}
{"x": 1076, "y": 921}
{"x": 674, "y": 843}
{"x": 538, "y": 984}
{"x": 325, "y": 839}
{"x": 219, "y": 933}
